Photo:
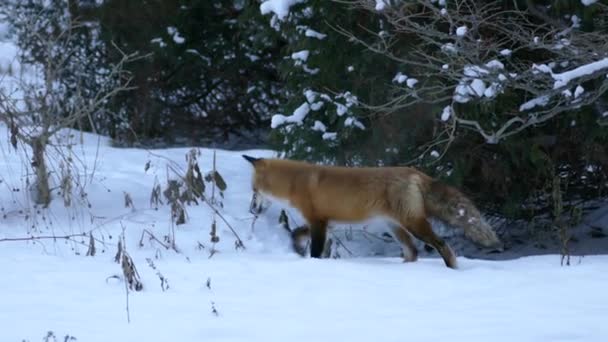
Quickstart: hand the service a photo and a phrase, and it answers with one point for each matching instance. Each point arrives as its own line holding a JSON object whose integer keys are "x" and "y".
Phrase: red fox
{"x": 404, "y": 196}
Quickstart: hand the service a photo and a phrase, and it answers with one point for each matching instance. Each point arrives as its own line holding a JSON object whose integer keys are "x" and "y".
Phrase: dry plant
{"x": 43, "y": 110}
{"x": 187, "y": 187}
{"x": 152, "y": 237}
{"x": 131, "y": 277}
{"x": 50, "y": 337}
{"x": 214, "y": 310}
{"x": 164, "y": 282}
{"x": 92, "y": 249}
{"x": 562, "y": 221}
{"x": 40, "y": 112}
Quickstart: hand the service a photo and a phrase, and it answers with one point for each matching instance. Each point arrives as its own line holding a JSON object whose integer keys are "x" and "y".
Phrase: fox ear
{"x": 252, "y": 160}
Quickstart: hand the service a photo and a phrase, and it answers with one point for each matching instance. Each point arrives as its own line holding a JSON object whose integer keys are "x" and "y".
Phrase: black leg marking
{"x": 318, "y": 234}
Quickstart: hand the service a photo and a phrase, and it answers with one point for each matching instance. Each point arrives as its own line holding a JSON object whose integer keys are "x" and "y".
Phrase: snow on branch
{"x": 471, "y": 53}
{"x": 566, "y": 77}
{"x": 279, "y": 7}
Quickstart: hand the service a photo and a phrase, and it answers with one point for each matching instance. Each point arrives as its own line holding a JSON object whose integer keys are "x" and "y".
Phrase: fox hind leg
{"x": 410, "y": 252}
{"x": 422, "y": 230}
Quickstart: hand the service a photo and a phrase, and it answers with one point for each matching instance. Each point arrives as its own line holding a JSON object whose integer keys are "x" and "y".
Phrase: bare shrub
{"x": 41, "y": 108}
{"x": 474, "y": 52}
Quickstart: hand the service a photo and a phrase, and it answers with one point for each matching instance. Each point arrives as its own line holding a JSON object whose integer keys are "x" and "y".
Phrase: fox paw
{"x": 409, "y": 257}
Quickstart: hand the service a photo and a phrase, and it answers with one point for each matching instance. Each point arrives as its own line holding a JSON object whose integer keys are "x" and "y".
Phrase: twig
{"x": 145, "y": 231}
{"x": 44, "y": 237}
{"x": 239, "y": 240}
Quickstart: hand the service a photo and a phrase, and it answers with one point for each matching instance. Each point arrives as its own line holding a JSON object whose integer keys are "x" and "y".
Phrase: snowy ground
{"x": 263, "y": 293}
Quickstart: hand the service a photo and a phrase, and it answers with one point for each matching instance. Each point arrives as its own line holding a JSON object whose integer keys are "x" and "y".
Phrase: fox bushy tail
{"x": 453, "y": 207}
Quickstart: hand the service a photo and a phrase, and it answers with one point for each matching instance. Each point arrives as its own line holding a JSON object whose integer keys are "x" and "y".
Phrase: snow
{"x": 449, "y": 48}
{"x": 506, "y": 52}
{"x": 474, "y": 71}
{"x": 495, "y": 64}
{"x": 279, "y": 7}
{"x": 314, "y": 34}
{"x": 473, "y": 84}
{"x": 316, "y": 105}
{"x": 576, "y": 21}
{"x": 319, "y": 126}
{"x": 341, "y": 109}
{"x": 540, "y": 101}
{"x": 491, "y": 91}
{"x": 330, "y": 136}
{"x": 300, "y": 55}
{"x": 310, "y": 95}
{"x": 158, "y": 41}
{"x": 13, "y": 74}
{"x": 462, "y": 31}
{"x": 478, "y": 87}
{"x": 350, "y": 121}
{"x": 297, "y": 117}
{"x": 174, "y": 33}
{"x": 265, "y": 292}
{"x": 350, "y": 68}
{"x": 588, "y": 2}
{"x": 380, "y": 5}
{"x": 541, "y": 68}
{"x": 564, "y": 78}
{"x": 411, "y": 82}
{"x": 578, "y": 91}
{"x": 446, "y": 113}
{"x": 312, "y": 71}
{"x": 399, "y": 78}
{"x": 434, "y": 154}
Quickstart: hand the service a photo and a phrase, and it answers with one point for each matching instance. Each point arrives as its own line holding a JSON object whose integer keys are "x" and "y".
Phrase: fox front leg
{"x": 318, "y": 234}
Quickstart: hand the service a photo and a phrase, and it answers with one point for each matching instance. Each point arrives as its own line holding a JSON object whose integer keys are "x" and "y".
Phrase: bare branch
{"x": 469, "y": 53}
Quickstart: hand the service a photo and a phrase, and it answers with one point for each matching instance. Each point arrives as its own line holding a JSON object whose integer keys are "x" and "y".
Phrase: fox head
{"x": 259, "y": 185}
{"x": 273, "y": 178}
{"x": 259, "y": 173}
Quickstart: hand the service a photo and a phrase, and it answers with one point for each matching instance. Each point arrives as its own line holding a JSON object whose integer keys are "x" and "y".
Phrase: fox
{"x": 404, "y": 197}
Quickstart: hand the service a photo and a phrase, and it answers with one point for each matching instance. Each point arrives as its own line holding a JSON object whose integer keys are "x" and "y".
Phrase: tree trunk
{"x": 43, "y": 192}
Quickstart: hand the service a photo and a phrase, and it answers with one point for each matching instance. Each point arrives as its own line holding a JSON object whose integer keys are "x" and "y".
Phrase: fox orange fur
{"x": 403, "y": 195}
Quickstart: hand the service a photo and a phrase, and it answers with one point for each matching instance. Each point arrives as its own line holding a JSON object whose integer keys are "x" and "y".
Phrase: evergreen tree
{"x": 327, "y": 79}
{"x": 468, "y": 93}
{"x": 207, "y": 71}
